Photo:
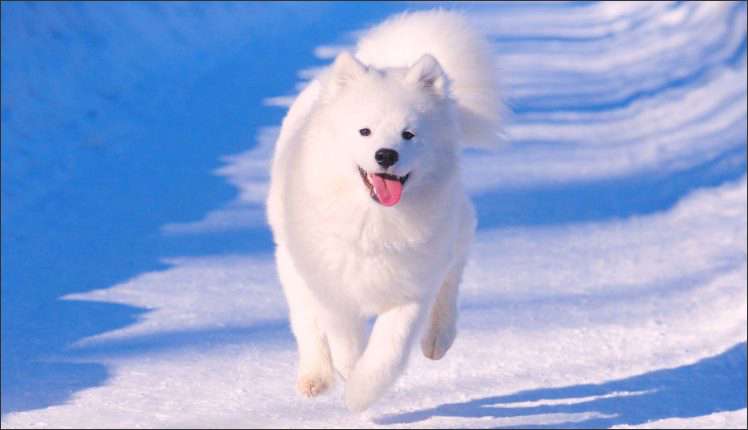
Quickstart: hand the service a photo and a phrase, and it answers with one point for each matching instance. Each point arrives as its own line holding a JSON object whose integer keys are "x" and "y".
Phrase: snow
{"x": 607, "y": 285}
{"x": 719, "y": 420}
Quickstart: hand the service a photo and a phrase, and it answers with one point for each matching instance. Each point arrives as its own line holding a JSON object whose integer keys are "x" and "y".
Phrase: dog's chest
{"x": 376, "y": 280}
{"x": 372, "y": 259}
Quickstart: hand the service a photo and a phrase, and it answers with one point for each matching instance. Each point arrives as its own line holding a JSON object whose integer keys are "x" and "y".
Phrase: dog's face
{"x": 394, "y": 128}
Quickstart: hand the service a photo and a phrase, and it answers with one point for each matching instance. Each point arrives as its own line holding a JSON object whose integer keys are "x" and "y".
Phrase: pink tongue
{"x": 387, "y": 190}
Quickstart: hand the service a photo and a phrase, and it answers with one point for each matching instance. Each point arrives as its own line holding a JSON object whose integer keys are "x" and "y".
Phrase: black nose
{"x": 386, "y": 157}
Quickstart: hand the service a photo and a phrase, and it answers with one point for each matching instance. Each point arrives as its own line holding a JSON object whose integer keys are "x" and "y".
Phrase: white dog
{"x": 366, "y": 203}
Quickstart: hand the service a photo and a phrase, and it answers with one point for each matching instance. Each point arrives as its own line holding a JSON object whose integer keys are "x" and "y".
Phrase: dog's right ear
{"x": 344, "y": 70}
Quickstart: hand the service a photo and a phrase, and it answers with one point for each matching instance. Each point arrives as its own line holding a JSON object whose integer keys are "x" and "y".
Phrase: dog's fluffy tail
{"x": 463, "y": 53}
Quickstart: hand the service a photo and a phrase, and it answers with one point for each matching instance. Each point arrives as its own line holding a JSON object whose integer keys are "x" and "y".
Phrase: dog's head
{"x": 393, "y": 128}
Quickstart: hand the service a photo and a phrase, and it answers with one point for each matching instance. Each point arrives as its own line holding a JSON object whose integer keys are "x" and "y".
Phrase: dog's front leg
{"x": 346, "y": 335}
{"x": 385, "y": 355}
{"x": 442, "y": 326}
{"x": 316, "y": 372}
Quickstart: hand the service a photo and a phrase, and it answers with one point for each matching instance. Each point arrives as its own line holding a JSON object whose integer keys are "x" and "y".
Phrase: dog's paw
{"x": 362, "y": 388}
{"x": 437, "y": 341}
{"x": 357, "y": 398}
{"x": 313, "y": 385}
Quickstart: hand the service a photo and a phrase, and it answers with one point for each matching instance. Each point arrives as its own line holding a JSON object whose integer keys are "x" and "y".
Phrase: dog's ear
{"x": 428, "y": 74}
{"x": 344, "y": 70}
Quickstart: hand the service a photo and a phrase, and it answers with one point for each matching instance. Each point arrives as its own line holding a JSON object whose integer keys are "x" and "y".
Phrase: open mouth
{"x": 384, "y": 188}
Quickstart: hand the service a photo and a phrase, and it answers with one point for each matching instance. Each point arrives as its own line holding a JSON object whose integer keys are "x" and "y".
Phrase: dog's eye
{"x": 407, "y": 135}
{"x": 364, "y": 132}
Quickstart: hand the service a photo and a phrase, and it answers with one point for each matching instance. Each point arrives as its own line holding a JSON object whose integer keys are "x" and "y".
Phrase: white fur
{"x": 343, "y": 257}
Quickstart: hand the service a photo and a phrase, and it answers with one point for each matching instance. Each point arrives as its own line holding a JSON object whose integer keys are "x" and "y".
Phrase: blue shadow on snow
{"x": 714, "y": 384}
{"x": 605, "y": 199}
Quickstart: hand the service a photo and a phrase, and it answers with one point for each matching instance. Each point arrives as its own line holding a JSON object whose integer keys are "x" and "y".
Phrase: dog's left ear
{"x": 428, "y": 74}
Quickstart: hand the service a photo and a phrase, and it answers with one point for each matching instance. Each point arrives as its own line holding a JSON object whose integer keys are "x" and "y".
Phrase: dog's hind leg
{"x": 442, "y": 327}
{"x": 316, "y": 373}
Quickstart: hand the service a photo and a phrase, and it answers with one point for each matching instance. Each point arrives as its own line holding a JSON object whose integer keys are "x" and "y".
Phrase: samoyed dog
{"x": 366, "y": 204}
